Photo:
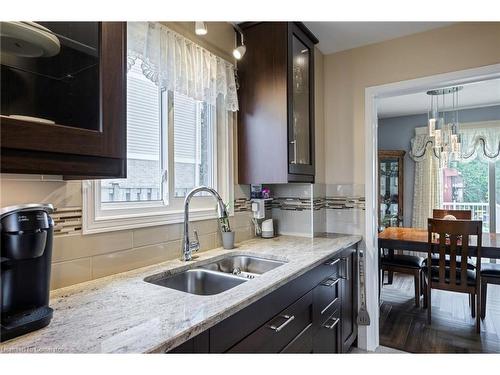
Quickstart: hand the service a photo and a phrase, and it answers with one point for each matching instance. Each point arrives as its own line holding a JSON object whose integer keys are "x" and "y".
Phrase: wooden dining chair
{"x": 402, "y": 263}
{"x": 459, "y": 214}
{"x": 453, "y": 243}
{"x": 490, "y": 274}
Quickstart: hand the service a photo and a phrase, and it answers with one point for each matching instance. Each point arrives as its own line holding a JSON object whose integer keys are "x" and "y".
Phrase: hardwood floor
{"x": 404, "y": 326}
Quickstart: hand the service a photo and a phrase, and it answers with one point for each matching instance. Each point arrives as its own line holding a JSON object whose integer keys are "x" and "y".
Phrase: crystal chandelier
{"x": 443, "y": 125}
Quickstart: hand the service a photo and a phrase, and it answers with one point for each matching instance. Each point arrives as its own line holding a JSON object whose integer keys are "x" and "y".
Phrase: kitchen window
{"x": 177, "y": 139}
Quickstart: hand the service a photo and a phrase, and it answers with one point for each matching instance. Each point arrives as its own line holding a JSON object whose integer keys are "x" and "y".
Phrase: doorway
{"x": 372, "y": 97}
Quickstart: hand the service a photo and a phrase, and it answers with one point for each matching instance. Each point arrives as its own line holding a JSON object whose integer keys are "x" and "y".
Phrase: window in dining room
{"x": 473, "y": 183}
{"x": 497, "y": 196}
{"x": 466, "y": 187}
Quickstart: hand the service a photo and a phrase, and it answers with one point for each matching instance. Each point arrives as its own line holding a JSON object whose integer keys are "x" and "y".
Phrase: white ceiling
{"x": 478, "y": 94}
{"x": 339, "y": 36}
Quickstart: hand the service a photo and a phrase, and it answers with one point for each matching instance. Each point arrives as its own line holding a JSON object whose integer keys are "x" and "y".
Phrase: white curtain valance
{"x": 175, "y": 63}
{"x": 421, "y": 146}
{"x": 479, "y": 140}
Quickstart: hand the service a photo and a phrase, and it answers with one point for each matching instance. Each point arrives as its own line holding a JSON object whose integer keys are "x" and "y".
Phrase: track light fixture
{"x": 239, "y": 51}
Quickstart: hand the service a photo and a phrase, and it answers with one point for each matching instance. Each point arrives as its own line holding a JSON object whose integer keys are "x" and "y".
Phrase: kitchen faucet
{"x": 190, "y": 247}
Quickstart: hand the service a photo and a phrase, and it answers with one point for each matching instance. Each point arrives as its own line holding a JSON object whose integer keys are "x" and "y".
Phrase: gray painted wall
{"x": 395, "y": 133}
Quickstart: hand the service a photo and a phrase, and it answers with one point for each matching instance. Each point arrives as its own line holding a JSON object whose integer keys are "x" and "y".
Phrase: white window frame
{"x": 170, "y": 210}
{"x": 492, "y": 199}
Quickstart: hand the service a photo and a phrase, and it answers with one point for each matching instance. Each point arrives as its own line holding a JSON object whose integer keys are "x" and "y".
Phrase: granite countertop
{"x": 124, "y": 314}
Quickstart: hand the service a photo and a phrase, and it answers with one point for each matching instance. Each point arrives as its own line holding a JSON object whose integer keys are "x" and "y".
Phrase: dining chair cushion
{"x": 403, "y": 260}
{"x": 435, "y": 262}
{"x": 471, "y": 275}
{"x": 490, "y": 269}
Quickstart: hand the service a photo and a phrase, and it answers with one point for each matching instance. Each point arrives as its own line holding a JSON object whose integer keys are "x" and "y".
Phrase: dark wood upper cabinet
{"x": 276, "y": 117}
{"x": 80, "y": 90}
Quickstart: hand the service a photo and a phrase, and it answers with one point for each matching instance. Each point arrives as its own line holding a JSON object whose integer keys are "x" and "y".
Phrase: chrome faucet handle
{"x": 195, "y": 245}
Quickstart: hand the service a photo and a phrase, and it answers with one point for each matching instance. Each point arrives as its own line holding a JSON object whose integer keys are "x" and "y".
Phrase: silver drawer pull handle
{"x": 332, "y": 326}
{"x": 330, "y": 282}
{"x": 332, "y": 263}
{"x": 329, "y": 305}
{"x": 288, "y": 321}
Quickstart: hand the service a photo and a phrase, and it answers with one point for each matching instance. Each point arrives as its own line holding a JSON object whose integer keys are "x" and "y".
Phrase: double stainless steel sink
{"x": 218, "y": 276}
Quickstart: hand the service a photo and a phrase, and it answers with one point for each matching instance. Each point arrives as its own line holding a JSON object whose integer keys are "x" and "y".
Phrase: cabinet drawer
{"x": 281, "y": 330}
{"x": 327, "y": 336}
{"x": 326, "y": 297}
{"x": 303, "y": 343}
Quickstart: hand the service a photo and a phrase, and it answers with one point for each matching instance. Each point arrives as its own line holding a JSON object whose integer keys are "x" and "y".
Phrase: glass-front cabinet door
{"x": 390, "y": 173}
{"x": 63, "y": 98}
{"x": 301, "y": 66}
{"x": 50, "y": 73}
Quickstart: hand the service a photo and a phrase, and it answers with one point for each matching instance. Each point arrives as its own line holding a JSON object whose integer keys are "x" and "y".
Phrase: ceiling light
{"x": 239, "y": 52}
{"x": 444, "y": 134}
{"x": 200, "y": 28}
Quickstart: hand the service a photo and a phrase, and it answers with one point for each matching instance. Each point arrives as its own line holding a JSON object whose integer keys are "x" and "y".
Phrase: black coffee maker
{"x": 26, "y": 253}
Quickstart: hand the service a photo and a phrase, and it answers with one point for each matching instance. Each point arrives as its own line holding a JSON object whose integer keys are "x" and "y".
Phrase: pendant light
{"x": 445, "y": 135}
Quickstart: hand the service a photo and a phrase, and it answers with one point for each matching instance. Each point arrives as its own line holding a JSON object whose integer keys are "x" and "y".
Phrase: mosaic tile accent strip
{"x": 242, "y": 205}
{"x": 345, "y": 202}
{"x": 300, "y": 204}
{"x": 268, "y": 204}
{"x": 67, "y": 220}
{"x": 319, "y": 203}
{"x": 292, "y": 204}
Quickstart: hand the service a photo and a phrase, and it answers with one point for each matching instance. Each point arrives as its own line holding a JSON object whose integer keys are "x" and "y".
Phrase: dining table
{"x": 415, "y": 239}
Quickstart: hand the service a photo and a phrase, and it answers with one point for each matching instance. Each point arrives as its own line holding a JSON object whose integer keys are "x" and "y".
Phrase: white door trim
{"x": 369, "y": 336}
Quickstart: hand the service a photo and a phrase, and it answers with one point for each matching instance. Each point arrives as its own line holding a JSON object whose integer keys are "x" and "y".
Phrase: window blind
{"x": 143, "y": 117}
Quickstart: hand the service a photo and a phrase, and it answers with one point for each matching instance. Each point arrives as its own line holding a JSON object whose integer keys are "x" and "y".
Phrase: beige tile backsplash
{"x": 120, "y": 261}
{"x": 70, "y": 272}
{"x": 78, "y": 246}
{"x": 153, "y": 235}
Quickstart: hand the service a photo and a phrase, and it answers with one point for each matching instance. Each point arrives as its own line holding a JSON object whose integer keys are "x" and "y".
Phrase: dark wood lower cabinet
{"x": 198, "y": 344}
{"x": 303, "y": 343}
{"x": 349, "y": 288}
{"x": 314, "y": 313}
{"x": 326, "y": 337}
{"x": 282, "y": 330}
